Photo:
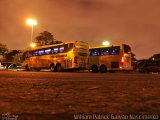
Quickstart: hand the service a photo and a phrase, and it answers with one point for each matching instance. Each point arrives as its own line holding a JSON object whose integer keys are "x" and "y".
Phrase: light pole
{"x": 32, "y": 22}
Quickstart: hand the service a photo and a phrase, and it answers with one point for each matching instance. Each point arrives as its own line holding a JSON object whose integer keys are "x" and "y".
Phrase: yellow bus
{"x": 57, "y": 57}
{"x": 110, "y": 58}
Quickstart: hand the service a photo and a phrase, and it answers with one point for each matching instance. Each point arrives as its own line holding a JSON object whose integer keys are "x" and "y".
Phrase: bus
{"x": 57, "y": 57}
{"x": 110, "y": 58}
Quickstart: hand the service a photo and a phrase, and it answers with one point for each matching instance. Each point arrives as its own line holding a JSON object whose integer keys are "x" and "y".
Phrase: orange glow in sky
{"x": 133, "y": 22}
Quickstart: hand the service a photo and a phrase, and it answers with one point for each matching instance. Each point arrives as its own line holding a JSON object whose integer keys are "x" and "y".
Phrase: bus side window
{"x": 55, "y": 50}
{"x": 61, "y": 49}
{"x": 65, "y": 48}
{"x": 105, "y": 51}
{"x": 35, "y": 53}
{"x": 95, "y": 52}
{"x": 41, "y": 52}
{"x": 47, "y": 51}
{"x": 70, "y": 46}
{"x": 115, "y": 50}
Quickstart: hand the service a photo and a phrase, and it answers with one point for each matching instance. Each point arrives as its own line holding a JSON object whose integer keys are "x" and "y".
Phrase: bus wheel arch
{"x": 52, "y": 67}
{"x": 94, "y": 68}
{"x": 103, "y": 68}
{"x": 58, "y": 67}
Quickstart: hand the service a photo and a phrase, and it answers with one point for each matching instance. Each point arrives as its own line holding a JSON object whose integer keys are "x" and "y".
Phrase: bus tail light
{"x": 76, "y": 59}
{"x": 122, "y": 59}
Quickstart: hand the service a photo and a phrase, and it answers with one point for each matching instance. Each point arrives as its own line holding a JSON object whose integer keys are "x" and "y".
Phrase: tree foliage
{"x": 3, "y": 49}
{"x": 11, "y": 54}
{"x": 45, "y": 38}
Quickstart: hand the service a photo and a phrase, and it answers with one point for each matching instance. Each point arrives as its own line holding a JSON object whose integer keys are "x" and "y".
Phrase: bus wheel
{"x": 94, "y": 69}
{"x": 52, "y": 68}
{"x": 103, "y": 69}
{"x": 58, "y": 68}
{"x": 27, "y": 68}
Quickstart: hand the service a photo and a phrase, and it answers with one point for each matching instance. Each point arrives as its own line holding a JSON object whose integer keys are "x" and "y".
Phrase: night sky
{"x": 134, "y": 22}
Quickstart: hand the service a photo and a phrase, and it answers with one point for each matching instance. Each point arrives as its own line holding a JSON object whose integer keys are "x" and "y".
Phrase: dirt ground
{"x": 62, "y": 96}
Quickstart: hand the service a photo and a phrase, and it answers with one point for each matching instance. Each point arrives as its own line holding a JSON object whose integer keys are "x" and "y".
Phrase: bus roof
{"x": 46, "y": 46}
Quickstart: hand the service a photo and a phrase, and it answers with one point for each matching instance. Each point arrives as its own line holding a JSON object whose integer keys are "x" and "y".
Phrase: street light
{"x": 32, "y": 45}
{"x": 106, "y": 43}
{"x": 33, "y": 23}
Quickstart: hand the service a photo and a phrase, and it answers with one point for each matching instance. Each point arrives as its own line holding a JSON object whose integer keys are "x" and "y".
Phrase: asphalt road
{"x": 69, "y": 95}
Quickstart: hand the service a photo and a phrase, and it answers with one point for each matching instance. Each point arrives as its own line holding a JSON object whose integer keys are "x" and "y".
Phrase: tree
{"x": 45, "y": 38}
{"x": 3, "y": 49}
{"x": 10, "y": 55}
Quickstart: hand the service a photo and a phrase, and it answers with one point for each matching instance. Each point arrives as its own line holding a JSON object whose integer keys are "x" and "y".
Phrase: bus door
{"x": 94, "y": 55}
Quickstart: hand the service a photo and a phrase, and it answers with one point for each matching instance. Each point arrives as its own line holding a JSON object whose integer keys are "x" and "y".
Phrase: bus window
{"x": 61, "y": 49}
{"x": 67, "y": 47}
{"x": 115, "y": 50}
{"x": 55, "y": 50}
{"x": 70, "y": 46}
{"x": 127, "y": 49}
{"x": 35, "y": 53}
{"x": 95, "y": 52}
{"x": 105, "y": 51}
{"x": 47, "y": 51}
{"x": 41, "y": 52}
